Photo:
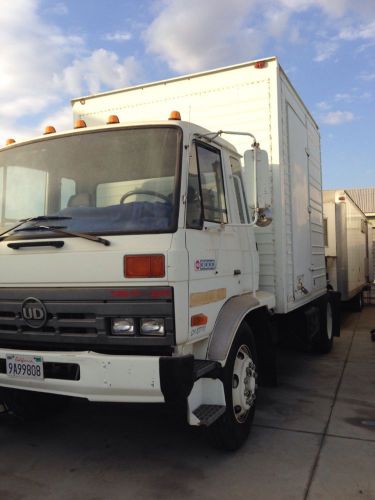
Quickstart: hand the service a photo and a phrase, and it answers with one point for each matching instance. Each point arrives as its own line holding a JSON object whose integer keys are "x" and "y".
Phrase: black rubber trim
{"x": 17, "y": 246}
{"x": 176, "y": 377}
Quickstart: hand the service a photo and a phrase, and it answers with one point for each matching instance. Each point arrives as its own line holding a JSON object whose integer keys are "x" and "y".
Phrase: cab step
{"x": 208, "y": 414}
{"x": 205, "y": 368}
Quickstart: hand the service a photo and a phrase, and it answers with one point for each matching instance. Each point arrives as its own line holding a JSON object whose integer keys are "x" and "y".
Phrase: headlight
{"x": 123, "y": 326}
{"x": 152, "y": 326}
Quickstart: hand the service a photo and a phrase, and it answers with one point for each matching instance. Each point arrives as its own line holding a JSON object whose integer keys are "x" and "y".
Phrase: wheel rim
{"x": 243, "y": 383}
{"x": 329, "y": 321}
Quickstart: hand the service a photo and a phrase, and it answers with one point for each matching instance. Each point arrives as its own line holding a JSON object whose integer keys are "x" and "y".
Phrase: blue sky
{"x": 52, "y": 51}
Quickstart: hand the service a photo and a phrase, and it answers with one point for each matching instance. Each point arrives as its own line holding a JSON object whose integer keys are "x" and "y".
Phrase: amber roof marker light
{"x": 10, "y": 141}
{"x": 80, "y": 124}
{"x": 175, "y": 115}
{"x": 112, "y": 119}
{"x": 49, "y": 129}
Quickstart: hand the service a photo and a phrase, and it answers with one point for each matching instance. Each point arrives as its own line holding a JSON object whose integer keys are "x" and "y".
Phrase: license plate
{"x": 24, "y": 366}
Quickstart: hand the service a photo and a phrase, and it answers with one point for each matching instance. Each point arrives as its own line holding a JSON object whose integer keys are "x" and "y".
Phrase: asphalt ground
{"x": 313, "y": 438}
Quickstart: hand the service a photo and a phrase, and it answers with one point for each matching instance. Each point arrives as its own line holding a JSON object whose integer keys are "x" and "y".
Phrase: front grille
{"x": 81, "y": 318}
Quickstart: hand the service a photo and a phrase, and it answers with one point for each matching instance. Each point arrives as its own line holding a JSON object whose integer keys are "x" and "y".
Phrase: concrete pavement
{"x": 313, "y": 438}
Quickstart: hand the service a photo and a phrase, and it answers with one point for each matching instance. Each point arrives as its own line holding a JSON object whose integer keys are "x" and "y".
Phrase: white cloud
{"x": 325, "y": 50}
{"x": 193, "y": 35}
{"x": 196, "y": 35}
{"x": 323, "y": 105}
{"x": 363, "y": 32}
{"x": 335, "y": 8}
{"x": 101, "y": 68}
{"x": 367, "y": 77}
{"x": 337, "y": 117}
{"x": 32, "y": 52}
{"x": 42, "y": 66}
{"x": 59, "y": 9}
{"x": 118, "y": 36}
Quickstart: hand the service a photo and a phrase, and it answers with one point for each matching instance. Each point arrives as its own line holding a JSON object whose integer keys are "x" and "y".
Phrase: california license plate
{"x": 24, "y": 366}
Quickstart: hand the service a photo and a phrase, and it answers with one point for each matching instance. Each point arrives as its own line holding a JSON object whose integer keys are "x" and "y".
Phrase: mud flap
{"x": 334, "y": 300}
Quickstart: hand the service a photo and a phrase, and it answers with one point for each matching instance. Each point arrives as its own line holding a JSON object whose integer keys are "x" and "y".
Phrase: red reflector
{"x": 199, "y": 320}
{"x": 126, "y": 293}
{"x": 158, "y": 294}
{"x": 260, "y": 64}
{"x": 144, "y": 266}
{"x": 342, "y": 198}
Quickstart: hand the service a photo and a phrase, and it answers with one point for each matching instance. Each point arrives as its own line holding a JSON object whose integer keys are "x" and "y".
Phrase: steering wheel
{"x": 146, "y": 192}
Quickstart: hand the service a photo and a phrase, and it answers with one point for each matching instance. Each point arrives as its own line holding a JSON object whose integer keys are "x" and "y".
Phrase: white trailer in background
{"x": 348, "y": 246}
{"x": 141, "y": 262}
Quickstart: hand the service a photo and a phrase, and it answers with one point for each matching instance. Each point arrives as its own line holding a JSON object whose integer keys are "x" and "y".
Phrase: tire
{"x": 324, "y": 341}
{"x": 240, "y": 386}
{"x": 30, "y": 405}
{"x": 357, "y": 302}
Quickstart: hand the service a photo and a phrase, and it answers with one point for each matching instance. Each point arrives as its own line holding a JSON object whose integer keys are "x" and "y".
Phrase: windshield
{"x": 117, "y": 181}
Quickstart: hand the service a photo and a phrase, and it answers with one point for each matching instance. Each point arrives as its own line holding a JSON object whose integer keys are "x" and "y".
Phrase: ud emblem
{"x": 33, "y": 312}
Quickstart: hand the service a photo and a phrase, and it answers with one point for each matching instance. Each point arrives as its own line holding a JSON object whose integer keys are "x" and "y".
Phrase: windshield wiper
{"x": 59, "y": 230}
{"x": 31, "y": 219}
{"x": 46, "y": 217}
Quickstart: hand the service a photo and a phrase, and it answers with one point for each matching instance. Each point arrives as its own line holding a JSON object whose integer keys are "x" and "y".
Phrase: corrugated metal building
{"x": 365, "y": 199}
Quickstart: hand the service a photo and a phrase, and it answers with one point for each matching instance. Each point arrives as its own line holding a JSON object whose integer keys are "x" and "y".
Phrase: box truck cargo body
{"x": 348, "y": 241}
{"x": 147, "y": 259}
{"x": 256, "y": 98}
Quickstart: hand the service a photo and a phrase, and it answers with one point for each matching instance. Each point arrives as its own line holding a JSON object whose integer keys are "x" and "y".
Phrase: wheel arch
{"x": 228, "y": 321}
{"x": 245, "y": 308}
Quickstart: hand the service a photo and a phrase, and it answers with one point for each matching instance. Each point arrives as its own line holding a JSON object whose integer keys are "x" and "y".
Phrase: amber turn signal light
{"x": 199, "y": 320}
{"x": 144, "y": 266}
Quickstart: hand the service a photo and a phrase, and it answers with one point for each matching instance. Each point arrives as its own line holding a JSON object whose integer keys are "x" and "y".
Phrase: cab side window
{"x": 211, "y": 184}
{"x": 194, "y": 215}
{"x": 239, "y": 189}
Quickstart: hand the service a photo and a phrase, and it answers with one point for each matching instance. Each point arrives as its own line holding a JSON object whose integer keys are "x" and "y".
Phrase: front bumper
{"x": 107, "y": 378}
{"x": 101, "y": 377}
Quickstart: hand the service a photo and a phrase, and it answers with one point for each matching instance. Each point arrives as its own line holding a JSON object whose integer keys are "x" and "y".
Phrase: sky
{"x": 53, "y": 51}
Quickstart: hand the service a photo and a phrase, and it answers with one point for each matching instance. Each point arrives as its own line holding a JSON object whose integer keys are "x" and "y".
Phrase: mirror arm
{"x": 211, "y": 136}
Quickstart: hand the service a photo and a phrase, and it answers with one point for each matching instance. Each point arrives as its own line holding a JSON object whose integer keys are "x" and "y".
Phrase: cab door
{"x": 215, "y": 257}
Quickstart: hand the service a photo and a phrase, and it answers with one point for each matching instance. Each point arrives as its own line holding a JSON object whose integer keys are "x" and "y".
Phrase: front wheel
{"x": 240, "y": 386}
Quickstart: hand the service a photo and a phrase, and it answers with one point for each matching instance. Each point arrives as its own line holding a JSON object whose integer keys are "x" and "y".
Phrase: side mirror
{"x": 258, "y": 185}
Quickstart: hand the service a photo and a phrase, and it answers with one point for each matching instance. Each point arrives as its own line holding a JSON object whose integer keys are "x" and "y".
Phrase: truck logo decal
{"x": 33, "y": 312}
{"x": 205, "y": 264}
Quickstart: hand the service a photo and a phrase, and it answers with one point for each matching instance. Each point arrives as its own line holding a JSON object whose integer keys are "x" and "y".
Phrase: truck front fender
{"x": 228, "y": 321}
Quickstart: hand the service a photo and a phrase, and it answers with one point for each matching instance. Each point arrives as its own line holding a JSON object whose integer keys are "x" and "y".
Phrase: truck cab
{"x": 129, "y": 263}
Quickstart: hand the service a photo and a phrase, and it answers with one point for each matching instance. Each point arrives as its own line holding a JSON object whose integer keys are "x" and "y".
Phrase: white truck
{"x": 141, "y": 262}
{"x": 347, "y": 240}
